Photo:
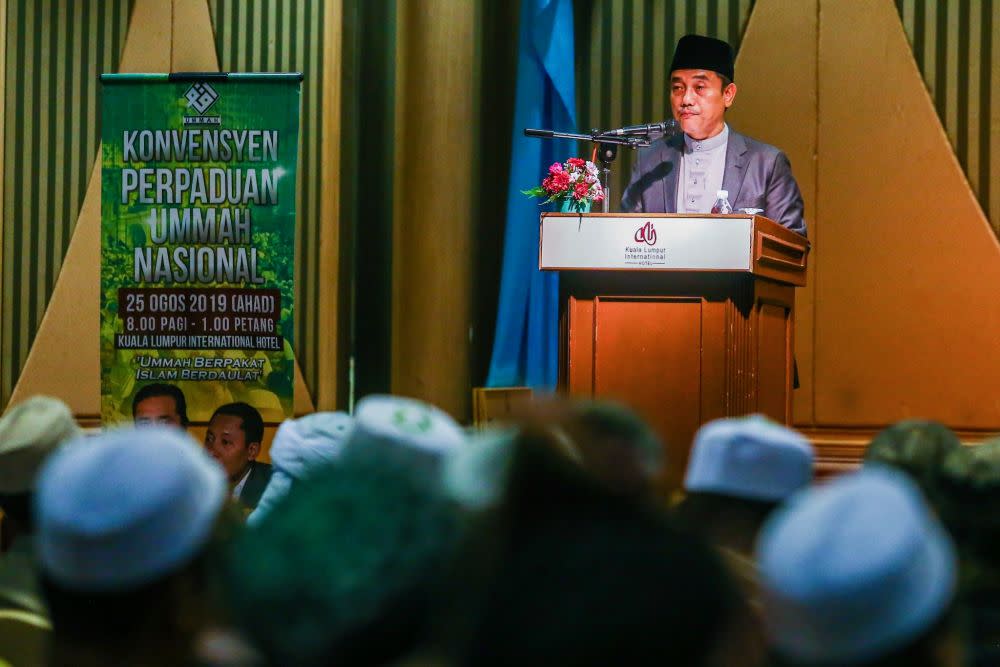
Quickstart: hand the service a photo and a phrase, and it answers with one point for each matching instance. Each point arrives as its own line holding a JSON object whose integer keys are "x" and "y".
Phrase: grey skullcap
{"x": 29, "y": 432}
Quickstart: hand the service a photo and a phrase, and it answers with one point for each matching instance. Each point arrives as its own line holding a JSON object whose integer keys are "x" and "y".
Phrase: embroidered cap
{"x": 749, "y": 457}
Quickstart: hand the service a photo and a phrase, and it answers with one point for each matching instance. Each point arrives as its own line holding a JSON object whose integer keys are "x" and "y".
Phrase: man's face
{"x": 226, "y": 442}
{"x": 157, "y": 410}
{"x": 699, "y": 102}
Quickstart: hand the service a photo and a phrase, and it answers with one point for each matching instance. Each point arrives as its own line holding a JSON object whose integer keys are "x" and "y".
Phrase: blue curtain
{"x": 525, "y": 345}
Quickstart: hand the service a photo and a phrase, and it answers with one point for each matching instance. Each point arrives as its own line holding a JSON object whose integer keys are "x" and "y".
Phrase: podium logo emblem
{"x": 646, "y": 234}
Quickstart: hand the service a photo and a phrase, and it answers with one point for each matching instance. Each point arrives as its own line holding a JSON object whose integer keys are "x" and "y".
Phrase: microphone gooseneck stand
{"x": 607, "y": 150}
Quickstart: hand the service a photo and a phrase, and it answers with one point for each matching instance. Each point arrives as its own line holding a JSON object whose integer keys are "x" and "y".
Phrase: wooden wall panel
{"x": 776, "y": 102}
{"x": 436, "y": 127}
{"x": 906, "y": 297}
{"x": 956, "y": 44}
{"x": 63, "y": 361}
{"x": 291, "y": 36}
{"x": 54, "y": 52}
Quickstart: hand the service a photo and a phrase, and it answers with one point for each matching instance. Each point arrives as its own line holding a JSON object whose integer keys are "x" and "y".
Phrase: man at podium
{"x": 683, "y": 173}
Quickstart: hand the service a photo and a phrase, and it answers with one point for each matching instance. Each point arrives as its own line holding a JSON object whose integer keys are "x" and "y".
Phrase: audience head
{"x": 300, "y": 447}
{"x": 160, "y": 403}
{"x": 124, "y": 520}
{"x": 616, "y": 446}
{"x": 234, "y": 438}
{"x": 739, "y": 470}
{"x": 917, "y": 448}
{"x": 402, "y": 431}
{"x": 970, "y": 508}
{"x": 606, "y": 439}
{"x": 29, "y": 432}
{"x": 344, "y": 570}
{"x": 560, "y": 568}
{"x": 858, "y": 572}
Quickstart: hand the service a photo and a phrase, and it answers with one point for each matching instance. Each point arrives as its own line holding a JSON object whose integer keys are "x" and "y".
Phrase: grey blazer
{"x": 756, "y": 175}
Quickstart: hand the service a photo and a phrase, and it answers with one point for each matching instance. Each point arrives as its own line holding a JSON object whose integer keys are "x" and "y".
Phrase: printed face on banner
{"x": 198, "y": 241}
{"x": 158, "y": 410}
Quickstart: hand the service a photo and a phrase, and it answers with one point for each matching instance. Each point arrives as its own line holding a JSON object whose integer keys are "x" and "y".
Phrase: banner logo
{"x": 201, "y": 97}
{"x": 646, "y": 234}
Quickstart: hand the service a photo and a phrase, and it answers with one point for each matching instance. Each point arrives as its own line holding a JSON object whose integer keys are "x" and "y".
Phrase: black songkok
{"x": 699, "y": 52}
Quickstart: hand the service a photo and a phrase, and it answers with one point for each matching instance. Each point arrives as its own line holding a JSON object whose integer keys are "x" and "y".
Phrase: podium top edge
{"x": 177, "y": 77}
{"x": 709, "y": 216}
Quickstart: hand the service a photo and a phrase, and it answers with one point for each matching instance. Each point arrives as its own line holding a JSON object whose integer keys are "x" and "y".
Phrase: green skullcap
{"x": 970, "y": 478}
{"x": 916, "y": 447}
{"x": 342, "y": 569}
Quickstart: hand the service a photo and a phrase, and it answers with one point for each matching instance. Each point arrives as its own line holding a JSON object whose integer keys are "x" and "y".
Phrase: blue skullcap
{"x": 125, "y": 508}
{"x": 749, "y": 457}
{"x": 29, "y": 432}
{"x": 854, "y": 570}
{"x": 299, "y": 447}
{"x": 403, "y": 430}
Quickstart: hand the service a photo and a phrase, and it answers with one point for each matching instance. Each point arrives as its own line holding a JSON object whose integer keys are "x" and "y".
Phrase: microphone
{"x": 666, "y": 127}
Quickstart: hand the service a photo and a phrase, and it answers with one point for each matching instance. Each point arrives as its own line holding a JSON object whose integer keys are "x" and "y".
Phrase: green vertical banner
{"x": 198, "y": 240}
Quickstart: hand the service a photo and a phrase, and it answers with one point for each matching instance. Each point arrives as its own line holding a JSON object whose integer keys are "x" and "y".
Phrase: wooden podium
{"x": 685, "y": 318}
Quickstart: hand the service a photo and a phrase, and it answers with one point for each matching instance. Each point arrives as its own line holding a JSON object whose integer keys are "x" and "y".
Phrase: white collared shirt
{"x": 703, "y": 164}
{"x": 238, "y": 489}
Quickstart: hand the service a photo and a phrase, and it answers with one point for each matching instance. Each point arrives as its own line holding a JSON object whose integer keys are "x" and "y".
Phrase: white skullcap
{"x": 29, "y": 432}
{"x": 125, "y": 508}
{"x": 300, "y": 446}
{"x": 405, "y": 430}
{"x": 304, "y": 443}
{"x": 854, "y": 570}
{"x": 749, "y": 457}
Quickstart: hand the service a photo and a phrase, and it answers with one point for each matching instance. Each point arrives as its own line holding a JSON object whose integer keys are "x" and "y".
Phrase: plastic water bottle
{"x": 721, "y": 204}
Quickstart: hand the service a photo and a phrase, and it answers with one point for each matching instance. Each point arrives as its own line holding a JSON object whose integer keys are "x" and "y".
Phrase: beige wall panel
{"x": 193, "y": 47}
{"x": 64, "y": 360}
{"x": 776, "y": 102}
{"x": 907, "y": 307}
{"x": 435, "y": 130}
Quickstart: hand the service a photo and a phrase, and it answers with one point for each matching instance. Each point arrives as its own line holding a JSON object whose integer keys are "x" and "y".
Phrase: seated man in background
{"x": 859, "y": 572}
{"x": 160, "y": 404}
{"x": 29, "y": 433}
{"x": 682, "y": 174}
{"x": 234, "y": 438}
{"x": 126, "y": 525}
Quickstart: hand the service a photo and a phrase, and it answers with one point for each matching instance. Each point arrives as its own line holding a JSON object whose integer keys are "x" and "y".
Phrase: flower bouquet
{"x": 575, "y": 185}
